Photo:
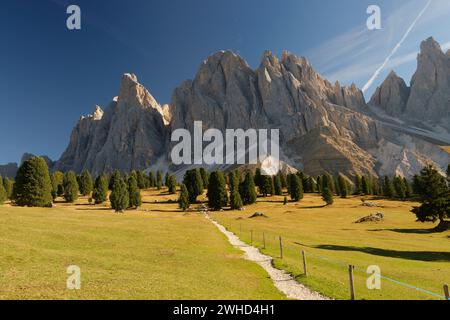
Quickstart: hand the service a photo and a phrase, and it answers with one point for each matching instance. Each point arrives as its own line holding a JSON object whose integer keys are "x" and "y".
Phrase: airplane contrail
{"x": 394, "y": 51}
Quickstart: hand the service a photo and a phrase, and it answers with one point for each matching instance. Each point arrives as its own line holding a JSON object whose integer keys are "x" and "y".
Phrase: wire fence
{"x": 335, "y": 277}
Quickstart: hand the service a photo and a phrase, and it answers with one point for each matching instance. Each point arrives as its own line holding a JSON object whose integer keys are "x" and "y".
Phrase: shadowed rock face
{"x": 129, "y": 134}
{"x": 323, "y": 127}
{"x": 428, "y": 98}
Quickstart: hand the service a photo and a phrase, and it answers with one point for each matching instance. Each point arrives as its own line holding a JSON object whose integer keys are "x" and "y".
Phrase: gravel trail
{"x": 282, "y": 280}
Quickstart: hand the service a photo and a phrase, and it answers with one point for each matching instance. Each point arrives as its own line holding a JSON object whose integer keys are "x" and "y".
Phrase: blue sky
{"x": 50, "y": 75}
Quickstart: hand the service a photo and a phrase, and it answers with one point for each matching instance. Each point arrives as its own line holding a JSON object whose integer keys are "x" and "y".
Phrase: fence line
{"x": 266, "y": 237}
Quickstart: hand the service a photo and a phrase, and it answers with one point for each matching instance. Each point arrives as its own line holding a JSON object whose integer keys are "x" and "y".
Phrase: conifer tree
{"x": 258, "y": 179}
{"x": 319, "y": 184}
{"x": 205, "y": 177}
{"x": 141, "y": 181}
{"x": 296, "y": 188}
{"x": 134, "y": 193}
{"x": 8, "y": 185}
{"x": 328, "y": 182}
{"x": 266, "y": 187}
{"x": 282, "y": 179}
{"x": 151, "y": 179}
{"x": 183, "y": 200}
{"x": 119, "y": 196}
{"x": 399, "y": 187}
{"x": 159, "y": 180}
{"x": 434, "y": 196}
{"x": 327, "y": 196}
{"x": 408, "y": 190}
{"x": 86, "y": 185}
{"x": 172, "y": 184}
{"x": 100, "y": 193}
{"x": 343, "y": 188}
{"x": 217, "y": 191}
{"x": 71, "y": 189}
{"x": 247, "y": 189}
{"x": 358, "y": 185}
{"x": 194, "y": 184}
{"x": 114, "y": 177}
{"x": 278, "y": 190}
{"x": 235, "y": 197}
{"x": 3, "y": 195}
{"x": 57, "y": 179}
{"x": 388, "y": 188}
{"x": 365, "y": 186}
{"x": 33, "y": 187}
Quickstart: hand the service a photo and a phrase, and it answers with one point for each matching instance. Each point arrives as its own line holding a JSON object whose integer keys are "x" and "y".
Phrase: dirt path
{"x": 283, "y": 281}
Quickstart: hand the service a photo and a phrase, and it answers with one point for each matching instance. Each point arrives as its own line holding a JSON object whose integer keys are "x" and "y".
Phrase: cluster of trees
{"x": 35, "y": 186}
{"x": 234, "y": 190}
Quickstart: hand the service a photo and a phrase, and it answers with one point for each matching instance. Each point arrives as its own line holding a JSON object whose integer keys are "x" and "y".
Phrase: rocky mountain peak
{"x": 391, "y": 96}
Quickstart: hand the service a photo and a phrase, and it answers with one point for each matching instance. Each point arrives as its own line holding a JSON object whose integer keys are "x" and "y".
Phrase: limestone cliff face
{"x": 130, "y": 134}
{"x": 427, "y": 101}
{"x": 323, "y": 127}
{"x": 392, "y": 96}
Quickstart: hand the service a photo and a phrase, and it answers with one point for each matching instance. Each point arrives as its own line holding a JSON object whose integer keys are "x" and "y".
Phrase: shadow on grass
{"x": 407, "y": 231}
{"x": 429, "y": 256}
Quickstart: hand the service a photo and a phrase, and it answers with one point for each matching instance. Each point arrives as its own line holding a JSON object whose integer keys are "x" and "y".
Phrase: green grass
{"x": 155, "y": 254}
{"x": 405, "y": 250}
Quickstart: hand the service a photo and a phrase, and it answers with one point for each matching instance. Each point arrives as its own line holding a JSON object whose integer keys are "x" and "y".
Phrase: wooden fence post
{"x": 446, "y": 292}
{"x": 281, "y": 249}
{"x": 264, "y": 241}
{"x": 352, "y": 282}
{"x": 305, "y": 268}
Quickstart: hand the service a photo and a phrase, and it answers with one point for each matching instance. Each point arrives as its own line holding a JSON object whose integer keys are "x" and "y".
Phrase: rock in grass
{"x": 375, "y": 217}
{"x": 258, "y": 215}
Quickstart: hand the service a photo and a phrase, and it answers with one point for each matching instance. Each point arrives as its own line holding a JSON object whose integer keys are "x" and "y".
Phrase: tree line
{"x": 35, "y": 186}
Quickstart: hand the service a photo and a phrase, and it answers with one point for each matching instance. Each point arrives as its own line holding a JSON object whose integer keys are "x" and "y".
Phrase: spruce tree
{"x": 233, "y": 180}
{"x": 278, "y": 190}
{"x": 217, "y": 191}
{"x": 235, "y": 197}
{"x": 358, "y": 185}
{"x": 33, "y": 187}
{"x": 172, "y": 184}
{"x": 57, "y": 179}
{"x": 247, "y": 189}
{"x": 365, "y": 186}
{"x": 319, "y": 184}
{"x": 71, "y": 189}
{"x": 151, "y": 179}
{"x": 100, "y": 193}
{"x": 86, "y": 185}
{"x": 328, "y": 182}
{"x": 434, "y": 195}
{"x": 8, "y": 185}
{"x": 296, "y": 188}
{"x": 258, "y": 179}
{"x": 327, "y": 196}
{"x": 205, "y": 177}
{"x": 408, "y": 189}
{"x": 266, "y": 185}
{"x": 388, "y": 188}
{"x": 282, "y": 179}
{"x": 343, "y": 188}
{"x": 119, "y": 197}
{"x": 3, "y": 195}
{"x": 114, "y": 177}
{"x": 141, "y": 180}
{"x": 159, "y": 180}
{"x": 134, "y": 193}
{"x": 399, "y": 187}
{"x": 194, "y": 184}
{"x": 448, "y": 175}
{"x": 183, "y": 200}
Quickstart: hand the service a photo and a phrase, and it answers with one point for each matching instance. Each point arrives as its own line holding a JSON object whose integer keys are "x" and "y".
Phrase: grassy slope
{"x": 160, "y": 254}
{"x": 400, "y": 246}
